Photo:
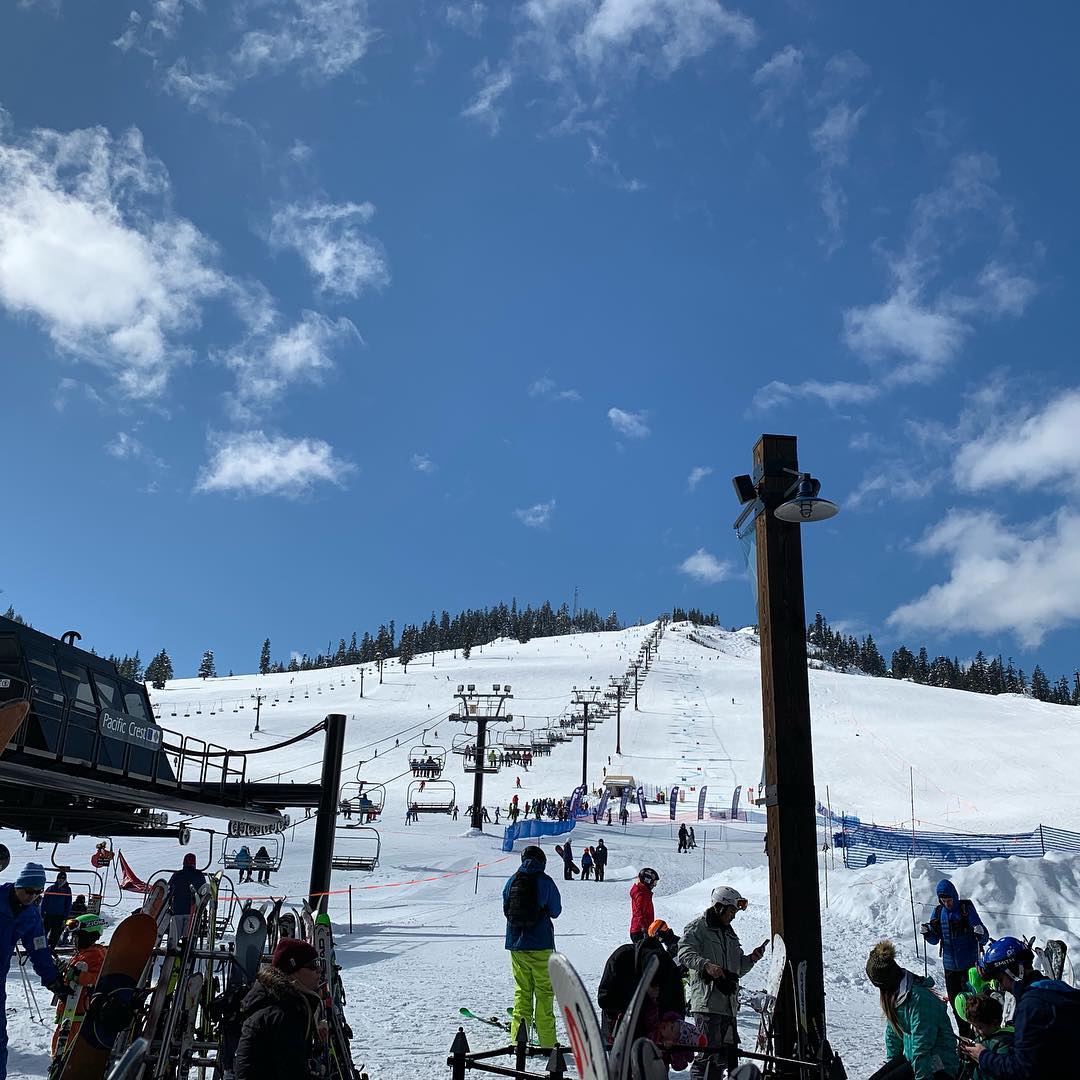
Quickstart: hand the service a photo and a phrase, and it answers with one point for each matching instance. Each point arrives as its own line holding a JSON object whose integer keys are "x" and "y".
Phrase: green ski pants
{"x": 533, "y": 984}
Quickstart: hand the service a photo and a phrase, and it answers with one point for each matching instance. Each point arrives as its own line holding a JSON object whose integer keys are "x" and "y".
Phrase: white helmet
{"x": 726, "y": 896}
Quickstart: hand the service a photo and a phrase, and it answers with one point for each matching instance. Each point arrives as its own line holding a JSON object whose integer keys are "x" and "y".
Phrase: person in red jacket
{"x": 641, "y": 905}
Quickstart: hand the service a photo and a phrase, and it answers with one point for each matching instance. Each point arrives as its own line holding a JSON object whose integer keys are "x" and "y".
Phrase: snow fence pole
{"x": 350, "y": 908}
{"x": 704, "y": 839}
{"x": 911, "y": 894}
{"x": 476, "y": 884}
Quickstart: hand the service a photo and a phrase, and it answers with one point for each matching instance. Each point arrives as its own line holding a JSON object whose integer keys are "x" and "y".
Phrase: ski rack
{"x": 462, "y": 1059}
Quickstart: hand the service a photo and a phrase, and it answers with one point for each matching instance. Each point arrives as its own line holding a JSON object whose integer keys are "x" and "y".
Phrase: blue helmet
{"x": 1007, "y": 955}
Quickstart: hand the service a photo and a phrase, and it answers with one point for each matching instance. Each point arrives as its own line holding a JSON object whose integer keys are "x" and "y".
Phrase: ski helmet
{"x": 1006, "y": 956}
{"x": 89, "y": 924}
{"x": 726, "y": 896}
{"x": 648, "y": 876}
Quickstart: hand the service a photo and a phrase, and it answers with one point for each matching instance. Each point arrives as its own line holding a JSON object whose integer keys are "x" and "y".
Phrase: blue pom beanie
{"x": 31, "y": 876}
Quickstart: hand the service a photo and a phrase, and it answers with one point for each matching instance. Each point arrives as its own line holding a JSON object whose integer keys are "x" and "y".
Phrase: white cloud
{"x": 267, "y": 364}
{"x": 196, "y": 89}
{"x": 484, "y": 107}
{"x": 329, "y": 237}
{"x": 832, "y": 393}
{"x": 918, "y": 329}
{"x": 161, "y": 22}
{"x": 705, "y": 568}
{"x": 324, "y": 38}
{"x": 1024, "y": 580}
{"x": 253, "y": 463}
{"x": 778, "y": 78}
{"x": 630, "y": 424}
{"x": 609, "y": 170}
{"x": 423, "y": 463}
{"x": 892, "y": 482}
{"x": 548, "y": 390}
{"x": 125, "y": 446}
{"x": 697, "y": 474}
{"x": 1035, "y": 449}
{"x": 537, "y": 516}
{"x": 467, "y": 16}
{"x": 90, "y": 249}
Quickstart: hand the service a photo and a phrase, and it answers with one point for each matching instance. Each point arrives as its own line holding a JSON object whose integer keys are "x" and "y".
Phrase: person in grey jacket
{"x": 711, "y": 950}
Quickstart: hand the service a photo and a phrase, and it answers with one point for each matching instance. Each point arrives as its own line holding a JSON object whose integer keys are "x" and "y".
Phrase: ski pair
{"x": 339, "y": 1046}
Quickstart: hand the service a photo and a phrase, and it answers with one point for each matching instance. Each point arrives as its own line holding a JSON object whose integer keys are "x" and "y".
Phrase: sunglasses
{"x": 30, "y": 892}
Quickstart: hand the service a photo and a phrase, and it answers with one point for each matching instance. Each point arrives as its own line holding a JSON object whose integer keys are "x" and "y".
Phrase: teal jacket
{"x": 999, "y": 1043}
{"x": 926, "y": 1036}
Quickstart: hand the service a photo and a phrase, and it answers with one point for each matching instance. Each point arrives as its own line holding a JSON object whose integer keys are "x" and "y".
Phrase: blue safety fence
{"x": 864, "y": 845}
{"x": 531, "y": 828}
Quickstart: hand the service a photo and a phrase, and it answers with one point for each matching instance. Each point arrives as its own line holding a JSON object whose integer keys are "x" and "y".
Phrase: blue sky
{"x": 317, "y": 313}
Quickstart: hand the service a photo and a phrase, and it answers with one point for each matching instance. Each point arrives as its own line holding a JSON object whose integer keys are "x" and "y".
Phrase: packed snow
{"x": 427, "y": 928}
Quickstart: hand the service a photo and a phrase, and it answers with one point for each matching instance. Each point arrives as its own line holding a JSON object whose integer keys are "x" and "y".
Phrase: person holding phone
{"x": 711, "y": 951}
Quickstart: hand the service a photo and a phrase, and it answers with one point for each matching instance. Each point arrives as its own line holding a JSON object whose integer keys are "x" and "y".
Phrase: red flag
{"x": 128, "y": 880}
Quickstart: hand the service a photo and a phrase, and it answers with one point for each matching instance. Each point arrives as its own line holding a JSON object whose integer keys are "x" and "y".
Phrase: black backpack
{"x": 522, "y": 905}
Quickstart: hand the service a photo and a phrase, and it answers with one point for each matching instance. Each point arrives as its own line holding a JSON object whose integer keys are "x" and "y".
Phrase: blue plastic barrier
{"x": 531, "y": 828}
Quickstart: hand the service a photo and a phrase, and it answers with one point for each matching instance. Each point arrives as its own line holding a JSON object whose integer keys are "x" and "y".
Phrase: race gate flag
{"x": 673, "y": 800}
{"x": 624, "y": 798}
{"x": 602, "y": 808}
{"x": 701, "y": 802}
{"x": 735, "y": 802}
{"x": 575, "y": 800}
{"x": 641, "y": 802}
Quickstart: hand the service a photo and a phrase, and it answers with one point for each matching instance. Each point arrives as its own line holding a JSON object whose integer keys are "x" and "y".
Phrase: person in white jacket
{"x": 711, "y": 950}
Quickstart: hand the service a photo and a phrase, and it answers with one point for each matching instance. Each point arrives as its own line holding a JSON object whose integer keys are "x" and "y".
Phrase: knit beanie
{"x": 292, "y": 954}
{"x": 31, "y": 876}
{"x": 881, "y": 966}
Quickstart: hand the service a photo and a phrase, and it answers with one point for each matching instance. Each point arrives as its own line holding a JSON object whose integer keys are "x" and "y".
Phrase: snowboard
{"x": 250, "y": 945}
{"x": 286, "y": 925}
{"x": 619, "y": 1061}
{"x": 582, "y": 1027}
{"x": 114, "y": 998}
{"x": 646, "y": 1061}
{"x": 127, "y": 1068}
{"x": 772, "y": 988}
{"x": 1054, "y": 953}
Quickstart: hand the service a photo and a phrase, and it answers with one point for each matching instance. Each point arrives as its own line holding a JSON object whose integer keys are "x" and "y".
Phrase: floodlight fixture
{"x": 460, "y": 687}
{"x": 744, "y": 489}
{"x": 471, "y": 687}
{"x": 804, "y": 503}
{"x": 495, "y": 687}
{"x": 506, "y": 688}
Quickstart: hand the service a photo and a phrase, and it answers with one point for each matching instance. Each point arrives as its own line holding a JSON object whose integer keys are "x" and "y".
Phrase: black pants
{"x": 599, "y": 871}
{"x": 54, "y": 927}
{"x": 955, "y": 981}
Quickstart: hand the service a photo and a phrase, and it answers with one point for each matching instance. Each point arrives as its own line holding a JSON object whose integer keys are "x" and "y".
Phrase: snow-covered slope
{"x": 427, "y": 924}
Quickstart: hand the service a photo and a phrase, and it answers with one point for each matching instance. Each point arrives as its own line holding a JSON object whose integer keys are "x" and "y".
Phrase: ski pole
{"x": 31, "y": 998}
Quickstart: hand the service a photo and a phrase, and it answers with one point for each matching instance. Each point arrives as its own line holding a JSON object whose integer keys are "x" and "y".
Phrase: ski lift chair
{"x": 438, "y": 796}
{"x": 364, "y": 799}
{"x": 427, "y": 761}
{"x": 356, "y": 847}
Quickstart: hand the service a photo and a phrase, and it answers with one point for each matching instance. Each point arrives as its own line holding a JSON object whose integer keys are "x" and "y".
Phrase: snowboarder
{"x": 82, "y": 971}
{"x": 600, "y": 854}
{"x": 691, "y": 840}
{"x": 56, "y": 908}
{"x": 1046, "y": 1018}
{"x": 20, "y": 920}
{"x": 530, "y": 901}
{"x": 917, "y": 1021}
{"x": 956, "y": 925}
{"x": 183, "y": 886}
{"x": 283, "y": 1031}
{"x": 712, "y": 952}
{"x": 641, "y": 902}
{"x": 517, "y": 782}
{"x": 684, "y": 838}
{"x": 570, "y": 868}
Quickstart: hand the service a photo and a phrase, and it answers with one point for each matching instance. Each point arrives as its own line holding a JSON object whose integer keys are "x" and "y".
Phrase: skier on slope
{"x": 283, "y": 1030}
{"x": 530, "y": 901}
{"x": 82, "y": 971}
{"x": 56, "y": 908}
{"x": 956, "y": 925}
{"x": 641, "y": 902}
{"x": 20, "y": 920}
{"x": 917, "y": 1021}
{"x": 1046, "y": 1020}
{"x": 712, "y": 952}
{"x": 183, "y": 886}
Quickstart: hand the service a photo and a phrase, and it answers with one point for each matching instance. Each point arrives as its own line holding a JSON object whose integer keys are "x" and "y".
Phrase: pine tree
{"x": 264, "y": 658}
{"x": 159, "y": 670}
{"x": 1040, "y": 685}
{"x": 407, "y": 647}
{"x": 206, "y": 666}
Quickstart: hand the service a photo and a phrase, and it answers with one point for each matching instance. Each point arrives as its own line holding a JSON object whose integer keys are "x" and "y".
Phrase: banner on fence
{"x": 575, "y": 800}
{"x": 641, "y": 802}
{"x": 672, "y": 800}
{"x": 624, "y": 798}
{"x": 735, "y": 803}
{"x": 701, "y": 802}
{"x": 602, "y": 806}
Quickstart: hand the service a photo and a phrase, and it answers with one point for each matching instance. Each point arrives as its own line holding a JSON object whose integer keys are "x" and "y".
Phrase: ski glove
{"x": 61, "y": 988}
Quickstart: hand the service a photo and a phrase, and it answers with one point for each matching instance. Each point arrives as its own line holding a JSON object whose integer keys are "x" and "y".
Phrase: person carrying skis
{"x": 711, "y": 951}
{"x": 684, "y": 838}
{"x": 530, "y": 901}
{"x": 81, "y": 973}
{"x": 641, "y": 902}
{"x": 56, "y": 908}
{"x": 183, "y": 887}
{"x": 956, "y": 925}
{"x": 599, "y": 855}
{"x": 20, "y": 920}
{"x": 1046, "y": 1020}
{"x": 917, "y": 1021}
{"x": 283, "y": 1032}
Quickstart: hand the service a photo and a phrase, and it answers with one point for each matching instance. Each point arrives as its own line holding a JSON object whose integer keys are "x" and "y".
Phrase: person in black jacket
{"x": 283, "y": 1032}
{"x": 624, "y": 968}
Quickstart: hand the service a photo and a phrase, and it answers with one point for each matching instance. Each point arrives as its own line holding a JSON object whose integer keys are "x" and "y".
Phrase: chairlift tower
{"x": 635, "y": 667}
{"x": 585, "y": 698}
{"x": 481, "y": 708}
{"x": 617, "y": 691}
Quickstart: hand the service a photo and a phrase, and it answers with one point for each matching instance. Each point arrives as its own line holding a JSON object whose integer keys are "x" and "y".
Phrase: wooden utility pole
{"x": 789, "y": 760}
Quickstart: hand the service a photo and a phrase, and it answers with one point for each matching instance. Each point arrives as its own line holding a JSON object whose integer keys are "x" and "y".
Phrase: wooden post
{"x": 789, "y": 760}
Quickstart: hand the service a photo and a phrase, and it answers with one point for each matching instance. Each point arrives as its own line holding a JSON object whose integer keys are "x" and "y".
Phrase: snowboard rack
{"x": 463, "y": 1059}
